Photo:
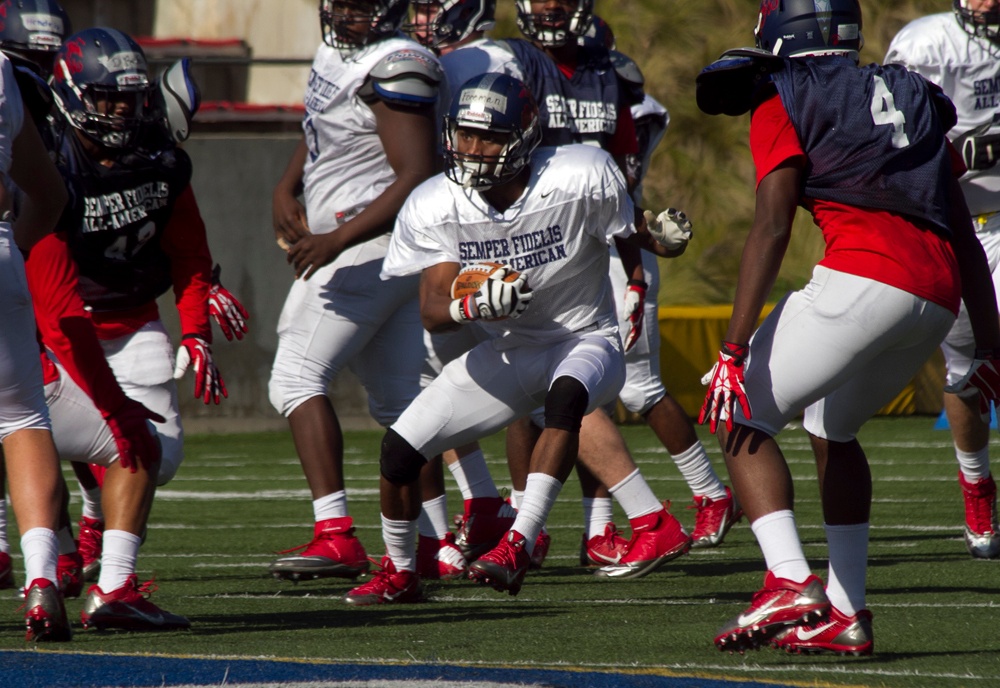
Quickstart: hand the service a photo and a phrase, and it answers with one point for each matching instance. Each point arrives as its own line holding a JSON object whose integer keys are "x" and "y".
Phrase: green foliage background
{"x": 703, "y": 164}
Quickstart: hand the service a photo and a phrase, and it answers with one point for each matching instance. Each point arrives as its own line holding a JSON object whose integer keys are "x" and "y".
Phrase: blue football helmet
{"x": 499, "y": 104}
{"x": 33, "y": 30}
{"x": 599, "y": 35}
{"x": 349, "y": 25}
{"x": 977, "y": 22}
{"x": 100, "y": 84}
{"x": 804, "y": 28}
{"x": 554, "y": 29}
{"x": 451, "y": 21}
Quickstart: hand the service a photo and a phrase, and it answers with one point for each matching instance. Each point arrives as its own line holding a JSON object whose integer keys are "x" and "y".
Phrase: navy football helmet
{"x": 499, "y": 104}
{"x": 349, "y": 25}
{"x": 100, "y": 84}
{"x": 33, "y": 30}
{"x": 555, "y": 29}
{"x": 447, "y": 22}
{"x": 599, "y": 35}
{"x": 985, "y": 24}
{"x": 804, "y": 28}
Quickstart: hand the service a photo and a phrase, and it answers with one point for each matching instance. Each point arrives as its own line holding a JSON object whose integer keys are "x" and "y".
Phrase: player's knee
{"x": 641, "y": 398}
{"x": 171, "y": 456}
{"x": 286, "y": 395}
{"x": 566, "y": 404}
{"x": 400, "y": 463}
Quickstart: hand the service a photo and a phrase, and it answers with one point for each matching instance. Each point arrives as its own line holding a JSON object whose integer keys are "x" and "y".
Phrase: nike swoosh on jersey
{"x": 757, "y": 614}
{"x": 809, "y": 634}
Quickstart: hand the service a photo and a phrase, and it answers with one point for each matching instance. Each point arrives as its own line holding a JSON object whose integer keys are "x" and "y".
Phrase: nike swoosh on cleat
{"x": 757, "y": 615}
{"x": 807, "y": 634}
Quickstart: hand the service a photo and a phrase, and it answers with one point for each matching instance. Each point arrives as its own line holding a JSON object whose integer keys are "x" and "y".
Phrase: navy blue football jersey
{"x": 874, "y": 135}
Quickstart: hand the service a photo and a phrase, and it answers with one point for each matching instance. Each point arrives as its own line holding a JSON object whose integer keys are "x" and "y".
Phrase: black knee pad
{"x": 400, "y": 463}
{"x": 565, "y": 404}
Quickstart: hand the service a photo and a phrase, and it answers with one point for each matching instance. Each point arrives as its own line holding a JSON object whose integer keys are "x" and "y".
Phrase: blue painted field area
{"x": 41, "y": 669}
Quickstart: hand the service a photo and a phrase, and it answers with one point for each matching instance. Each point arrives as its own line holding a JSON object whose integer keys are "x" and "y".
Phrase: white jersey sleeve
{"x": 968, "y": 71}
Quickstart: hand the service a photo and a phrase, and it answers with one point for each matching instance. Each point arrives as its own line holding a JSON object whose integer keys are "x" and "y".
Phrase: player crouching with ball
{"x": 547, "y": 215}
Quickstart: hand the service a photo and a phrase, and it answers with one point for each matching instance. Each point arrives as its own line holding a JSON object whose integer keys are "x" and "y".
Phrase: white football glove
{"x": 671, "y": 228}
{"x": 496, "y": 299}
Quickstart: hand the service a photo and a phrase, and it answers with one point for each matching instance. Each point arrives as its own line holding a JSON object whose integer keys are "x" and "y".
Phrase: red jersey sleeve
{"x": 65, "y": 327}
{"x": 772, "y": 137}
{"x": 185, "y": 241}
{"x": 625, "y": 141}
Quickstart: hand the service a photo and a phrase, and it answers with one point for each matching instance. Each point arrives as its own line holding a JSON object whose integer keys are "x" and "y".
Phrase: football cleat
{"x": 6, "y": 572}
{"x": 779, "y": 604}
{"x": 387, "y": 586}
{"x": 129, "y": 608}
{"x": 45, "y": 615}
{"x": 485, "y": 522}
{"x": 504, "y": 566}
{"x": 656, "y": 539}
{"x": 982, "y": 535}
{"x": 541, "y": 550}
{"x": 839, "y": 634}
{"x": 604, "y": 549}
{"x": 334, "y": 551}
{"x": 714, "y": 519}
{"x": 439, "y": 559}
{"x": 90, "y": 545}
{"x": 69, "y": 574}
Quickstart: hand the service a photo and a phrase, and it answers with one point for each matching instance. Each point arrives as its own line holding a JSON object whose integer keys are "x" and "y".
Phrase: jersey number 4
{"x": 884, "y": 113}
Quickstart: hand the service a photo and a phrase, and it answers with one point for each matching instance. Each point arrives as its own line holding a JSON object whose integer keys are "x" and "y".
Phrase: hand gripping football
{"x": 488, "y": 291}
{"x": 471, "y": 278}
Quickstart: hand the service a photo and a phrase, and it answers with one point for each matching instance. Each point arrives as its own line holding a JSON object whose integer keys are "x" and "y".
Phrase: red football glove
{"x": 635, "y": 298}
{"x": 136, "y": 444}
{"x": 228, "y": 312}
{"x": 196, "y": 352}
{"x": 983, "y": 376}
{"x": 725, "y": 387}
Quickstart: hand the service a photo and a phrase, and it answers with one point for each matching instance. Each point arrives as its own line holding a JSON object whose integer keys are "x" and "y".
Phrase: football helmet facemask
{"x": 555, "y": 29}
{"x": 349, "y": 25}
{"x": 100, "y": 84}
{"x": 982, "y": 23}
{"x": 809, "y": 28}
{"x": 33, "y": 30}
{"x": 442, "y": 23}
{"x": 498, "y": 104}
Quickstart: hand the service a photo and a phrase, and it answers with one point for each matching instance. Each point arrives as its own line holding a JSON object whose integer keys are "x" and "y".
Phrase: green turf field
{"x": 239, "y": 498}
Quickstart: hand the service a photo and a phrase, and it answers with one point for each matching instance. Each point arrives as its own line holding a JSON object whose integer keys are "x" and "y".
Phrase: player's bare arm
{"x": 777, "y": 199}
{"x": 435, "y": 297}
{"x": 287, "y": 213}
{"x": 408, "y": 136}
{"x": 35, "y": 174}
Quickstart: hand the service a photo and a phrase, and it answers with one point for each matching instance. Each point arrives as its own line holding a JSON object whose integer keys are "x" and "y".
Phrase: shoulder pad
{"x": 726, "y": 86}
{"x": 406, "y": 77}
{"x": 627, "y": 70}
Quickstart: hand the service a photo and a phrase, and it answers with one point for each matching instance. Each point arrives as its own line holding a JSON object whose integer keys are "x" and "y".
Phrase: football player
{"x": 548, "y": 215}
{"x": 958, "y": 51}
{"x": 369, "y": 138}
{"x": 863, "y": 148}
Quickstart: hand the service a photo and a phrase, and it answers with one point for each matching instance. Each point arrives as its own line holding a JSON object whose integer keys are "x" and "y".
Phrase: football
{"x": 472, "y": 277}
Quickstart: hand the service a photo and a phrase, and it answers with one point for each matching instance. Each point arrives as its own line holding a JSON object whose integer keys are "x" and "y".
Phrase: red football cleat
{"x": 656, "y": 539}
{"x": 485, "y": 522}
{"x": 69, "y": 574}
{"x": 45, "y": 615}
{"x": 839, "y": 634}
{"x": 387, "y": 586}
{"x": 714, "y": 519}
{"x": 334, "y": 551}
{"x": 604, "y": 549}
{"x": 439, "y": 559}
{"x": 129, "y": 608}
{"x": 90, "y": 545}
{"x": 504, "y": 566}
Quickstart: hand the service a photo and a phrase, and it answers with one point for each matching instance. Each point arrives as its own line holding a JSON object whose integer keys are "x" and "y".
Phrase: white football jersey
{"x": 474, "y": 58}
{"x": 968, "y": 70}
{"x": 346, "y": 167}
{"x": 556, "y": 235}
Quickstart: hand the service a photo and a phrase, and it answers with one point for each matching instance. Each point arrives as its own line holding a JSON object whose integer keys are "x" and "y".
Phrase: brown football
{"x": 471, "y": 278}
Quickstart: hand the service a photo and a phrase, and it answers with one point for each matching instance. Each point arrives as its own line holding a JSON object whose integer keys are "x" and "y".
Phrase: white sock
{"x": 91, "y": 503}
{"x": 516, "y": 497}
{"x": 4, "y": 544}
{"x": 540, "y": 493}
{"x": 974, "y": 465}
{"x": 329, "y": 506}
{"x": 597, "y": 513}
{"x": 67, "y": 545}
{"x": 400, "y": 543}
{"x": 118, "y": 557}
{"x": 779, "y": 541}
{"x": 40, "y": 548}
{"x": 845, "y": 583}
{"x": 473, "y": 476}
{"x": 433, "y": 519}
{"x": 635, "y": 496}
{"x": 695, "y": 466}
